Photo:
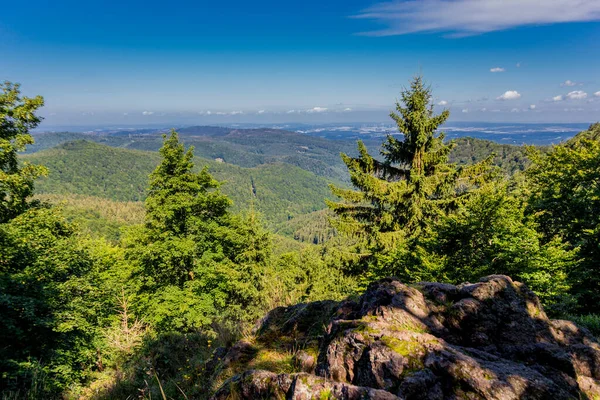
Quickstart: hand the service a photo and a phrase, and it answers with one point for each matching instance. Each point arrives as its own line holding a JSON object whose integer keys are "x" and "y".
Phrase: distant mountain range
{"x": 505, "y": 133}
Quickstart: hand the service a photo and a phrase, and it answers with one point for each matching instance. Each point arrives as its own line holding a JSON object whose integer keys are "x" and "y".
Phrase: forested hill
{"x": 253, "y": 147}
{"x": 278, "y": 191}
{"x": 242, "y": 147}
{"x": 469, "y": 150}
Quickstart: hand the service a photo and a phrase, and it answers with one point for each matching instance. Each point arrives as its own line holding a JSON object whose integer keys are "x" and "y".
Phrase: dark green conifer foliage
{"x": 184, "y": 211}
{"x": 17, "y": 117}
{"x": 179, "y": 199}
{"x": 413, "y": 184}
{"x": 198, "y": 263}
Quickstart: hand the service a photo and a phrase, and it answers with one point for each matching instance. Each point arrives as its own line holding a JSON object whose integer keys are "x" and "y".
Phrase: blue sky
{"x": 134, "y": 62}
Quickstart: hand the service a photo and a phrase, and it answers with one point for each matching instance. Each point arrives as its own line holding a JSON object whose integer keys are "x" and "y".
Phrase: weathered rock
{"x": 268, "y": 385}
{"x": 488, "y": 340}
{"x": 305, "y": 362}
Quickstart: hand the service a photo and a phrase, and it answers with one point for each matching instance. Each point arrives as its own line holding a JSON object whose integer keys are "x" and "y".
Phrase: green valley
{"x": 278, "y": 191}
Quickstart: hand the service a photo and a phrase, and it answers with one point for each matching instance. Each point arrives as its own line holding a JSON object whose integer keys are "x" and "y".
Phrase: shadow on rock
{"x": 488, "y": 340}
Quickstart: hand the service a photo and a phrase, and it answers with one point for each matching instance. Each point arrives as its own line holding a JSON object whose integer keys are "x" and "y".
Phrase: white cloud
{"x": 558, "y": 98}
{"x": 208, "y": 112}
{"x": 532, "y": 107}
{"x": 569, "y": 83}
{"x": 465, "y": 110}
{"x": 316, "y": 110}
{"x": 443, "y": 103}
{"x": 236, "y": 112}
{"x": 497, "y": 69}
{"x": 290, "y": 111}
{"x": 483, "y": 109}
{"x": 147, "y": 112}
{"x": 261, "y": 111}
{"x": 509, "y": 95}
{"x": 469, "y": 17}
{"x": 347, "y": 109}
{"x": 577, "y": 95}
{"x": 597, "y": 94}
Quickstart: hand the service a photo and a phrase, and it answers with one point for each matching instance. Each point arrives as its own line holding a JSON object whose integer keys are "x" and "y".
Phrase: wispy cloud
{"x": 470, "y": 17}
{"x": 509, "y": 95}
{"x": 443, "y": 103}
{"x": 532, "y": 107}
{"x": 147, "y": 112}
{"x": 558, "y": 98}
{"x": 597, "y": 94}
{"x": 497, "y": 69}
{"x": 261, "y": 111}
{"x": 569, "y": 83}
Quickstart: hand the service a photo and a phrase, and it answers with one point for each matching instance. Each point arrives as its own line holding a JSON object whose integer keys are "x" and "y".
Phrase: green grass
{"x": 589, "y": 321}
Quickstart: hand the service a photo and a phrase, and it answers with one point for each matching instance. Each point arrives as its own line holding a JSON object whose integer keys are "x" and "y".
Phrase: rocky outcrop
{"x": 488, "y": 340}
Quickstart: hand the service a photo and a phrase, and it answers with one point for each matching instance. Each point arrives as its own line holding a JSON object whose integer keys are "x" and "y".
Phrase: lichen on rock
{"x": 488, "y": 340}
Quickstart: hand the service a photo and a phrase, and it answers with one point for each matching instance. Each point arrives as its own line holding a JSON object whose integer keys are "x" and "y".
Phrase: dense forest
{"x": 126, "y": 262}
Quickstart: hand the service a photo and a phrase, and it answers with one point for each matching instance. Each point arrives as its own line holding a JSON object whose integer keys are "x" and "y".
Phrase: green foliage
{"x": 198, "y": 263}
{"x": 589, "y": 321}
{"x": 509, "y": 158}
{"x": 46, "y": 299}
{"x": 94, "y": 216}
{"x": 17, "y": 117}
{"x": 400, "y": 199}
{"x": 491, "y": 235}
{"x": 413, "y": 186}
{"x": 312, "y": 228}
{"x": 565, "y": 201}
{"x": 399, "y": 195}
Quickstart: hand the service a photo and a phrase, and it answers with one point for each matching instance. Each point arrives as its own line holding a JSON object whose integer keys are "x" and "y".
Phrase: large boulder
{"x": 488, "y": 340}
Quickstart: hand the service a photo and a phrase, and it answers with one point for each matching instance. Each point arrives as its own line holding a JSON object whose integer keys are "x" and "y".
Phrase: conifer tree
{"x": 198, "y": 263}
{"x": 184, "y": 210}
{"x": 179, "y": 200}
{"x": 396, "y": 196}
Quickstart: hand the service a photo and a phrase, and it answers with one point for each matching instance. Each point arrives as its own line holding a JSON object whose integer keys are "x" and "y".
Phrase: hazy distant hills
{"x": 253, "y": 147}
{"x": 242, "y": 147}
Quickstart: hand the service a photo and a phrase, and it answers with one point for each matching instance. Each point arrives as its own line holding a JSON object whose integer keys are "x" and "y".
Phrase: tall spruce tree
{"x": 198, "y": 263}
{"x": 396, "y": 197}
{"x": 183, "y": 210}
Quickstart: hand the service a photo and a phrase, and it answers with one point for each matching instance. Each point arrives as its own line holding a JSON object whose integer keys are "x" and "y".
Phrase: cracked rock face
{"x": 488, "y": 340}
